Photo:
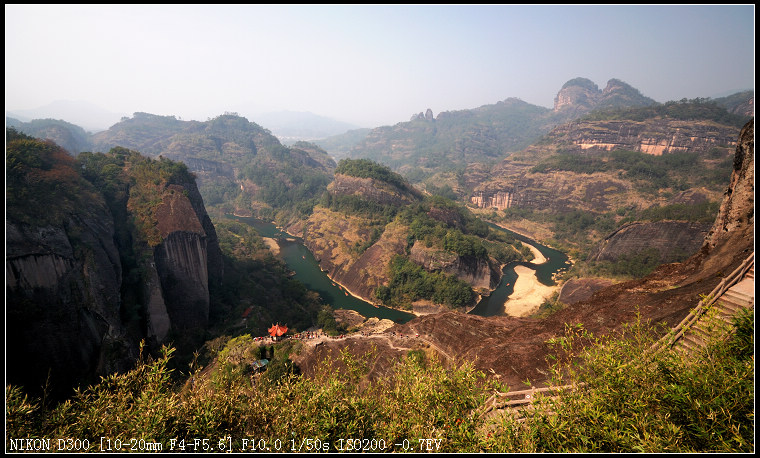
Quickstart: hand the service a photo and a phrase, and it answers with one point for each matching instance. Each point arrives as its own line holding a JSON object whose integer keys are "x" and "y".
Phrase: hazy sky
{"x": 367, "y": 65}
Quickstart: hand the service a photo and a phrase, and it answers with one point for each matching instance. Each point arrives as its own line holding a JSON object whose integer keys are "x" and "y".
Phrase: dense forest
{"x": 703, "y": 109}
{"x": 676, "y": 171}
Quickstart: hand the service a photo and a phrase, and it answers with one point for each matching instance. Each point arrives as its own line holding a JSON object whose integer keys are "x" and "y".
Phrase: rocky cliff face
{"x": 674, "y": 240}
{"x": 653, "y": 136}
{"x": 63, "y": 302}
{"x": 332, "y": 237}
{"x": 67, "y": 317}
{"x": 552, "y": 176}
{"x": 737, "y": 211}
{"x": 481, "y": 274}
{"x": 183, "y": 267}
{"x": 580, "y": 95}
{"x": 427, "y": 116}
{"x": 182, "y": 264}
{"x": 186, "y": 262}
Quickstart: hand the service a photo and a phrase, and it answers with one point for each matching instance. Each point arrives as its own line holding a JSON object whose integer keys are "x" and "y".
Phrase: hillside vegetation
{"x": 240, "y": 166}
{"x": 41, "y": 174}
{"x": 629, "y": 403}
{"x": 109, "y": 214}
{"x": 441, "y": 251}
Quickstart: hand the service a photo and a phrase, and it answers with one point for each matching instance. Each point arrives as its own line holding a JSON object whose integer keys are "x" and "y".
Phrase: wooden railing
{"x": 734, "y": 277}
{"x": 525, "y": 397}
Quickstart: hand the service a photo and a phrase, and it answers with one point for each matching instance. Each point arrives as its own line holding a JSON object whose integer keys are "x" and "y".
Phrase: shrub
{"x": 634, "y": 400}
{"x": 628, "y": 400}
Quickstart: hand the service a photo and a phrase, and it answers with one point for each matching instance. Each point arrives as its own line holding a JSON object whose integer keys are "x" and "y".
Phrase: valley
{"x": 455, "y": 248}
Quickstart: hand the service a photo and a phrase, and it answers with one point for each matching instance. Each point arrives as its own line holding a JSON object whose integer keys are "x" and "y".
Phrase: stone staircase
{"x": 718, "y": 311}
{"x": 735, "y": 293}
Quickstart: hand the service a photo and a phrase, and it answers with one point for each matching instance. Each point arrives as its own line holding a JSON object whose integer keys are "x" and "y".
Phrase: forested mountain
{"x": 422, "y": 146}
{"x": 110, "y": 249}
{"x": 241, "y": 167}
{"x": 387, "y": 242}
{"x": 428, "y": 144}
{"x": 70, "y": 137}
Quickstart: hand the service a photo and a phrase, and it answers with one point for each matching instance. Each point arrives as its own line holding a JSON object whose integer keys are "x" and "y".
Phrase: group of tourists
{"x": 401, "y": 334}
{"x": 308, "y": 335}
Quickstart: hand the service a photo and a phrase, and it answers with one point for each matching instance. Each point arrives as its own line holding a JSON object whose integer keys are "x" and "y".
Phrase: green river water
{"x": 301, "y": 261}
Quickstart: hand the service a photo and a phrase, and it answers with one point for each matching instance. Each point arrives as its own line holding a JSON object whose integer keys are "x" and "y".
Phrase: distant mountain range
{"x": 428, "y": 144}
{"x": 288, "y": 126}
{"x": 462, "y": 150}
{"x": 292, "y": 126}
{"x": 84, "y": 114}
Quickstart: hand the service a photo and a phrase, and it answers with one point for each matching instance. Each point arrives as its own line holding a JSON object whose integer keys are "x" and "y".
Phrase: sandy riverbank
{"x": 538, "y": 258}
{"x": 274, "y": 247}
{"x": 528, "y": 293}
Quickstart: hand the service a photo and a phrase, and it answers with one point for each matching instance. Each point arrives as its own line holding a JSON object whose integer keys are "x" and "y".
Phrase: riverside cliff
{"x": 101, "y": 253}
{"x": 366, "y": 222}
{"x": 672, "y": 240}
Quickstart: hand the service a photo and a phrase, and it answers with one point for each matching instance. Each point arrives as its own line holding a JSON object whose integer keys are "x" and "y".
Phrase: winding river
{"x": 301, "y": 261}
{"x": 556, "y": 261}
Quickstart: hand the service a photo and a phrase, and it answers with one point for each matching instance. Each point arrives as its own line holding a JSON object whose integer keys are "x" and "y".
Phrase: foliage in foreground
{"x": 635, "y": 401}
{"x": 658, "y": 403}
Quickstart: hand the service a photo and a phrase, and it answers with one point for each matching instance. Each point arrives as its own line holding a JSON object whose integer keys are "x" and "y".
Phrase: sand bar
{"x": 528, "y": 293}
{"x": 538, "y": 257}
{"x": 274, "y": 247}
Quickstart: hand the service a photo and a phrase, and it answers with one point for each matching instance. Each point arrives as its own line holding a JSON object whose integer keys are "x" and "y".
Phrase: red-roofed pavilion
{"x": 277, "y": 331}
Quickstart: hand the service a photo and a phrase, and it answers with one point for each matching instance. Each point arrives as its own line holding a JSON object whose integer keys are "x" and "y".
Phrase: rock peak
{"x": 426, "y": 116}
{"x": 581, "y": 95}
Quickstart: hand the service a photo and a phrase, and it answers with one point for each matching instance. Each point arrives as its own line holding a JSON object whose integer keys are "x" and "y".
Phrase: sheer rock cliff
{"x": 77, "y": 307}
